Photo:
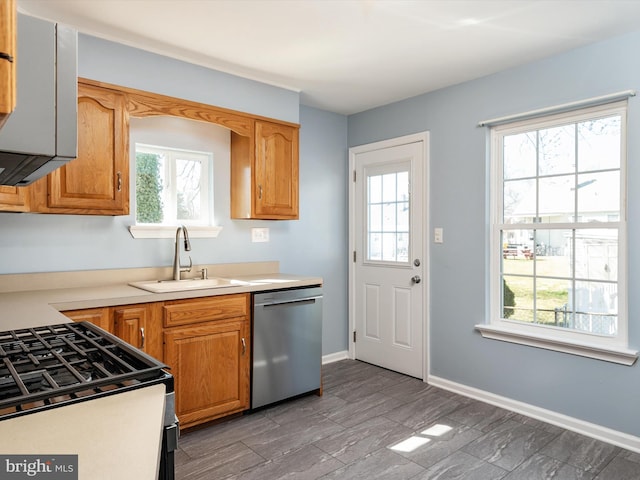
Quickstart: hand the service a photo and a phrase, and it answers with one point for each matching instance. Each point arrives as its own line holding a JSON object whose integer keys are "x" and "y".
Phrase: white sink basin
{"x": 166, "y": 286}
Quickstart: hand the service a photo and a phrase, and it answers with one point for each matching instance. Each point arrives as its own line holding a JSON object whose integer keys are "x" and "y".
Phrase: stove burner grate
{"x": 46, "y": 365}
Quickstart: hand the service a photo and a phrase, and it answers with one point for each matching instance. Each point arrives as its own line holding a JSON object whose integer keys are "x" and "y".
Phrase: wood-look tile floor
{"x": 361, "y": 428}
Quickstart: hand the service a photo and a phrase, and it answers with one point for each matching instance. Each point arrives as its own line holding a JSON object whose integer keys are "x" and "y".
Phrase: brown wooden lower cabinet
{"x": 210, "y": 363}
{"x": 205, "y": 342}
{"x": 138, "y": 326}
{"x": 207, "y": 346}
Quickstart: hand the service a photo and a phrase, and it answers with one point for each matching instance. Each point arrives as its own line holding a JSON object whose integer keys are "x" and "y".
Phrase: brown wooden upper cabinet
{"x": 264, "y": 172}
{"x": 14, "y": 199}
{"x": 7, "y": 59}
{"x": 97, "y": 182}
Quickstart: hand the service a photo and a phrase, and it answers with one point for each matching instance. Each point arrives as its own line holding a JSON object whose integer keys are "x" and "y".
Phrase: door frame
{"x": 353, "y": 151}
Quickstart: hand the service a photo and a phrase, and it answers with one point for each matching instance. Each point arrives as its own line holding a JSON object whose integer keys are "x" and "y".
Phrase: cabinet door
{"x": 139, "y": 325}
{"x": 98, "y": 180}
{"x": 130, "y": 323}
{"x": 98, "y": 316}
{"x": 7, "y": 60}
{"x": 14, "y": 199}
{"x": 276, "y": 171}
{"x": 210, "y": 363}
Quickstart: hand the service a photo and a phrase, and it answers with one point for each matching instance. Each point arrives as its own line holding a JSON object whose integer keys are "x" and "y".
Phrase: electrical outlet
{"x": 259, "y": 234}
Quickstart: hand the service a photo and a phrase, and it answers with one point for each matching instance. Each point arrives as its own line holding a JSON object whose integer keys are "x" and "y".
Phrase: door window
{"x": 387, "y": 216}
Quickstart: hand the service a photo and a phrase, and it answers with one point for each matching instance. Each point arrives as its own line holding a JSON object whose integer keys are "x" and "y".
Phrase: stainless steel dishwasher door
{"x": 287, "y": 344}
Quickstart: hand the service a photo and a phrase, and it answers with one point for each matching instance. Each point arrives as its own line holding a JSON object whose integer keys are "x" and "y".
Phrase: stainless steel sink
{"x": 166, "y": 286}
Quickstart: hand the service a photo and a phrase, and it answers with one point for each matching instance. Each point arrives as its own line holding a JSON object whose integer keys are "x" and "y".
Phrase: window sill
{"x": 619, "y": 355}
{"x": 167, "y": 231}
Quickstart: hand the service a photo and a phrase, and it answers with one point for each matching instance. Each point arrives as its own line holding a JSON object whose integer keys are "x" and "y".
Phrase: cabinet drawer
{"x": 185, "y": 312}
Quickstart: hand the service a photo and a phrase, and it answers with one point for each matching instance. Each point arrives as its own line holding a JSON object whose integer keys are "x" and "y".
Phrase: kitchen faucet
{"x": 177, "y": 268}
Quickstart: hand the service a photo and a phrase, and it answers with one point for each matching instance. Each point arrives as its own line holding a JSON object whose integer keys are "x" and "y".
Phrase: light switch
{"x": 438, "y": 235}
{"x": 259, "y": 234}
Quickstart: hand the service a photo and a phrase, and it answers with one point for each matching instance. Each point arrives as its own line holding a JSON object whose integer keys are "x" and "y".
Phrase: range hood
{"x": 41, "y": 133}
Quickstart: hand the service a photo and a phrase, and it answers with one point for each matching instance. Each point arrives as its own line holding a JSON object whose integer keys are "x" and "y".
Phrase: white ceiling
{"x": 347, "y": 56}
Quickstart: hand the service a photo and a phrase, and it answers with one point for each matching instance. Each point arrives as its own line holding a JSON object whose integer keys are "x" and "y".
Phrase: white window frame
{"x": 202, "y": 228}
{"x": 608, "y": 348}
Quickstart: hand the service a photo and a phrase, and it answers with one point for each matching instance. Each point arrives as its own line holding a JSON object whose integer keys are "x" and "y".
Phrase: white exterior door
{"x": 388, "y": 291}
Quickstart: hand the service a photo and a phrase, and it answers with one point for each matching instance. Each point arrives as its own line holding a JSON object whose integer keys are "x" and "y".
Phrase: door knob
{"x": 416, "y": 279}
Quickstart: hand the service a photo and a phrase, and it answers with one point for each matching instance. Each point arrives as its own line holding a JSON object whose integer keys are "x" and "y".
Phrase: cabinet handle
{"x": 141, "y": 337}
{"x": 244, "y": 346}
{"x": 259, "y": 192}
{"x": 119, "y": 181}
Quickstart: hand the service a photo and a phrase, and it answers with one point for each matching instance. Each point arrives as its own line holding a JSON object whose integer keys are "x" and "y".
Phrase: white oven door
{"x": 118, "y": 436}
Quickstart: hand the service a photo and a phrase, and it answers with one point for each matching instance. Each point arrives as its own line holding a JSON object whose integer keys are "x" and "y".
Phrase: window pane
{"x": 553, "y": 253}
{"x": 389, "y": 247}
{"x": 402, "y": 252}
{"x": 375, "y": 246}
{"x": 519, "y": 155}
{"x": 403, "y": 186}
{"x": 598, "y": 196}
{"x": 557, "y": 198}
{"x": 375, "y": 189}
{"x": 508, "y": 300}
{"x": 149, "y": 187}
{"x": 389, "y": 187}
{"x": 552, "y": 301}
{"x": 597, "y": 254}
{"x": 516, "y": 252}
{"x": 375, "y": 218}
{"x": 519, "y": 197}
{"x": 403, "y": 216}
{"x": 557, "y": 150}
{"x": 188, "y": 174}
{"x": 599, "y": 144}
{"x": 518, "y": 298}
{"x": 596, "y": 305}
{"x": 389, "y": 217}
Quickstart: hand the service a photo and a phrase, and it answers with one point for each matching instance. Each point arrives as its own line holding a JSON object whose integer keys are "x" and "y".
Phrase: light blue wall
{"x": 592, "y": 390}
{"x": 314, "y": 245}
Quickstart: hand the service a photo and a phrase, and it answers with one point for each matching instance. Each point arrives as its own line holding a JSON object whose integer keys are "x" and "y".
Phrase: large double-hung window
{"x": 558, "y": 250}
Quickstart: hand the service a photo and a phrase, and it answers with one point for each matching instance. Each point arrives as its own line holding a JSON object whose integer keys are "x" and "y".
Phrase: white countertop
{"x": 21, "y": 307}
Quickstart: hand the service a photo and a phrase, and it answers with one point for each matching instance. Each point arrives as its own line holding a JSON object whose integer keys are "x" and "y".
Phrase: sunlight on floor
{"x": 437, "y": 430}
{"x": 410, "y": 444}
{"x": 414, "y": 442}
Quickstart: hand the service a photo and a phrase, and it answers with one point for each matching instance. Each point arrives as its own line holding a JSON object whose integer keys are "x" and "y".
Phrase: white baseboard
{"x": 335, "y": 357}
{"x": 620, "y": 439}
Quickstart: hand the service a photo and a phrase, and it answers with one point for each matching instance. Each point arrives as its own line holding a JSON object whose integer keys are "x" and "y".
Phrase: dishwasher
{"x": 287, "y": 344}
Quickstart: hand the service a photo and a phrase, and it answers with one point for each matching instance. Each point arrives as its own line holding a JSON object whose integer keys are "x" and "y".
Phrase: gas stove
{"x": 50, "y": 366}
{"x": 43, "y": 369}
